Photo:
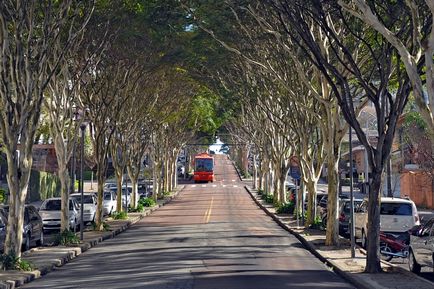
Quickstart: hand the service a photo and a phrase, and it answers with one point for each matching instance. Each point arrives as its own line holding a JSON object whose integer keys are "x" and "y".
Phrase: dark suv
{"x": 32, "y": 227}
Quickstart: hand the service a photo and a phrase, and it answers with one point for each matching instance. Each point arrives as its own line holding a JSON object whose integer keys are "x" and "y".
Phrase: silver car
{"x": 89, "y": 204}
{"x": 109, "y": 202}
{"x": 421, "y": 248}
{"x": 50, "y": 212}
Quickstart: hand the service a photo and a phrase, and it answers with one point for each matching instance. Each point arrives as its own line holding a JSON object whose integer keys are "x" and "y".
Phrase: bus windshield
{"x": 203, "y": 165}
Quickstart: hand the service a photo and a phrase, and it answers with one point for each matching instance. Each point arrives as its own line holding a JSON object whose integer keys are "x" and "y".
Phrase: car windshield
{"x": 400, "y": 209}
{"x": 347, "y": 206}
{"x": 51, "y": 205}
{"x": 87, "y": 199}
{"x": 204, "y": 165}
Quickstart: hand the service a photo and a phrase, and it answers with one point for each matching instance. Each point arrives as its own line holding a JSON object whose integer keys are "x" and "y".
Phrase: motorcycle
{"x": 393, "y": 246}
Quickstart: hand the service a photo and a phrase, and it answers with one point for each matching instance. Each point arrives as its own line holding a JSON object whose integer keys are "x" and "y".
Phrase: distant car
{"x": 322, "y": 205}
{"x": 89, "y": 203}
{"x": 421, "y": 248}
{"x": 344, "y": 214}
{"x": 397, "y": 216}
{"x": 50, "y": 212}
{"x": 32, "y": 228}
{"x": 109, "y": 202}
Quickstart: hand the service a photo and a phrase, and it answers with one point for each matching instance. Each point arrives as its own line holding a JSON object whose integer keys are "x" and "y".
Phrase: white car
{"x": 89, "y": 203}
{"x": 396, "y": 216}
{"x": 109, "y": 202}
{"x": 50, "y": 212}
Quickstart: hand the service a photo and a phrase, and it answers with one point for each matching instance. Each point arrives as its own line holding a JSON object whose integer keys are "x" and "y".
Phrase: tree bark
{"x": 373, "y": 256}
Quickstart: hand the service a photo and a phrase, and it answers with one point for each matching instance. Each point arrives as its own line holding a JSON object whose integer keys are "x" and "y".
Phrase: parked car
{"x": 33, "y": 234}
{"x": 89, "y": 203}
{"x": 397, "y": 216}
{"x": 109, "y": 202}
{"x": 322, "y": 205}
{"x": 344, "y": 214}
{"x": 421, "y": 248}
{"x": 50, "y": 211}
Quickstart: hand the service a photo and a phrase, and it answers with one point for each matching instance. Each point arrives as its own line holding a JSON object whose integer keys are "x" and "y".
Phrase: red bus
{"x": 203, "y": 168}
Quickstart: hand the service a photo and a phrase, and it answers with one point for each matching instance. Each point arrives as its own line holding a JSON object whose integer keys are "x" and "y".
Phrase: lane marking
{"x": 214, "y": 186}
{"x": 209, "y": 210}
{"x": 233, "y": 180}
{"x": 193, "y": 186}
{"x": 235, "y": 186}
{"x": 203, "y": 186}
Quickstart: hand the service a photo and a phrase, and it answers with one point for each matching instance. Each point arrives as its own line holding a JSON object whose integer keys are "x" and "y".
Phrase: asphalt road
{"x": 211, "y": 236}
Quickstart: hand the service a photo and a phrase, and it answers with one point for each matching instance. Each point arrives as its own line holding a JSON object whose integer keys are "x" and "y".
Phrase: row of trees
{"x": 304, "y": 70}
{"x": 109, "y": 67}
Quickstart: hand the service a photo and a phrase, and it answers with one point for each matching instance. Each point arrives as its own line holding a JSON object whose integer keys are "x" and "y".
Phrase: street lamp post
{"x": 82, "y": 128}
{"x": 353, "y": 240}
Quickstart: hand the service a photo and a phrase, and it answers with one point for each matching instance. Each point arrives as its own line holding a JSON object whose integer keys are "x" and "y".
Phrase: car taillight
{"x": 416, "y": 219}
{"x": 342, "y": 217}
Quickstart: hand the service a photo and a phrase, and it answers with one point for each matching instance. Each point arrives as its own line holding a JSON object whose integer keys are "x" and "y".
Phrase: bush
{"x": 287, "y": 208}
{"x": 147, "y": 202}
{"x": 119, "y": 215}
{"x": 2, "y": 195}
{"x": 260, "y": 192}
{"x": 139, "y": 209}
{"x": 105, "y": 226}
{"x": 269, "y": 199}
{"x": 317, "y": 223}
{"x": 166, "y": 193}
{"x": 12, "y": 262}
{"x": 67, "y": 238}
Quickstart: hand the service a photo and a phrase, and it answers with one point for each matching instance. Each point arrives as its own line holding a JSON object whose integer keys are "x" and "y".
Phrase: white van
{"x": 396, "y": 216}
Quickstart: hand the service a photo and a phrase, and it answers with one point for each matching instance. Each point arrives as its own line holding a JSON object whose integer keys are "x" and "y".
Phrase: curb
{"x": 25, "y": 277}
{"x": 311, "y": 248}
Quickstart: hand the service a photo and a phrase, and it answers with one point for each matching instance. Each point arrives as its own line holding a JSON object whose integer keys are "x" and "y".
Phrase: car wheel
{"x": 40, "y": 242}
{"x": 26, "y": 245}
{"x": 413, "y": 266}
{"x": 364, "y": 240}
{"x": 384, "y": 249}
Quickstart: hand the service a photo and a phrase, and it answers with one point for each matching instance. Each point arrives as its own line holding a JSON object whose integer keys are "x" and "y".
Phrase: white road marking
{"x": 235, "y": 186}
{"x": 233, "y": 180}
{"x": 214, "y": 186}
{"x": 224, "y": 186}
{"x": 193, "y": 186}
{"x": 203, "y": 186}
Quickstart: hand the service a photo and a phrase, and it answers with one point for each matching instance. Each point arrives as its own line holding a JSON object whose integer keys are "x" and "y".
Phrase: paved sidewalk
{"x": 339, "y": 258}
{"x": 46, "y": 259}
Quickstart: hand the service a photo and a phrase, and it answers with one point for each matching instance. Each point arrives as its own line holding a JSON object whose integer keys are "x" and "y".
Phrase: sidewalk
{"x": 46, "y": 259}
{"x": 339, "y": 258}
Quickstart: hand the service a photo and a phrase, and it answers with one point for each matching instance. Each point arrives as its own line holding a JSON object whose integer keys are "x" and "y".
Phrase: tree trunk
{"x": 311, "y": 189}
{"x": 255, "y": 173}
{"x": 64, "y": 180}
{"x": 332, "y": 234}
{"x": 119, "y": 205}
{"x": 373, "y": 254}
{"x": 282, "y": 188}
{"x": 100, "y": 174}
{"x": 18, "y": 176}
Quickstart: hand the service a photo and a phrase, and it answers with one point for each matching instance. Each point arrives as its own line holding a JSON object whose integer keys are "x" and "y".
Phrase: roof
{"x": 395, "y": 200}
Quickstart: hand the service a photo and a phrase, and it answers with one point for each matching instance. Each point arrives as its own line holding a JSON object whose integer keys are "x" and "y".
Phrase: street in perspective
{"x": 211, "y": 236}
{"x": 217, "y": 144}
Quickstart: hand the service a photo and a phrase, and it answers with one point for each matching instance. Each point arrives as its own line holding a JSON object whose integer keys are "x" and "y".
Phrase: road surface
{"x": 211, "y": 236}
